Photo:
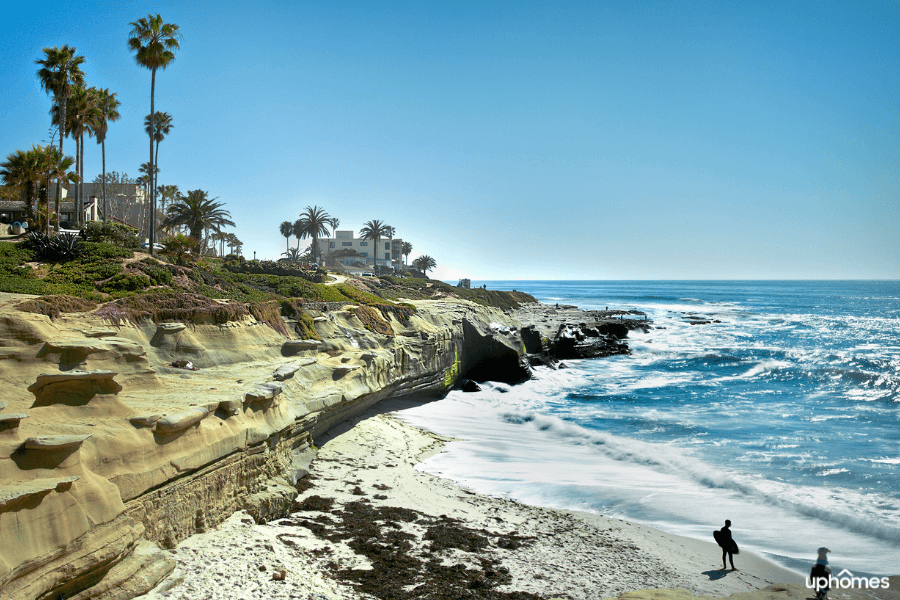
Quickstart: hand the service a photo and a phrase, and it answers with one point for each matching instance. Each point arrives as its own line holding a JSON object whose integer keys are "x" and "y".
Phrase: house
{"x": 16, "y": 211}
{"x": 127, "y": 203}
{"x": 387, "y": 254}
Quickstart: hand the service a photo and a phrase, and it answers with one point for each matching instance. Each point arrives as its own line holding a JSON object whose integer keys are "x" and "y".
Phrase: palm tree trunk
{"x": 103, "y": 152}
{"x": 152, "y": 199}
{"x": 62, "y": 135}
{"x": 79, "y": 144}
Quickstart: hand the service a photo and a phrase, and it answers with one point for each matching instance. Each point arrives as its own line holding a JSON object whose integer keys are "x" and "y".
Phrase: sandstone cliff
{"x": 107, "y": 452}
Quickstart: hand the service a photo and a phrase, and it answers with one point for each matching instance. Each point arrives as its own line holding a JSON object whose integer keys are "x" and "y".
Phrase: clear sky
{"x": 515, "y": 140}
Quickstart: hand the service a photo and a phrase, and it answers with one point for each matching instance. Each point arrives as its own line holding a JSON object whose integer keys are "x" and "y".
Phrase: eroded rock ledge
{"x": 108, "y": 452}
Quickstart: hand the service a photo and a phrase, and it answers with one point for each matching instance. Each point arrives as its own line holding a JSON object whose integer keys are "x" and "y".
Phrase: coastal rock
{"x": 470, "y": 386}
{"x": 531, "y": 337}
{"x": 74, "y": 388}
{"x": 156, "y": 461}
{"x": 55, "y": 443}
{"x": 264, "y": 392}
{"x": 13, "y": 493}
{"x": 145, "y": 420}
{"x": 181, "y": 419}
{"x": 75, "y": 352}
{"x": 293, "y": 346}
{"x": 284, "y": 372}
{"x": 11, "y": 420}
{"x": 97, "y": 332}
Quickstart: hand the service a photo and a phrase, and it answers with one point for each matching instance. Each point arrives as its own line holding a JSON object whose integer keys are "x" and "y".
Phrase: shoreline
{"x": 366, "y": 469}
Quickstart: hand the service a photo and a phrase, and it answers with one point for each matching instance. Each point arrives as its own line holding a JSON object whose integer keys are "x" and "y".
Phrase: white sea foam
{"x": 512, "y": 451}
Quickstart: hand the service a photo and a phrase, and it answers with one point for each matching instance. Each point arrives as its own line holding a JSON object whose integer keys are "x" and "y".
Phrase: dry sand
{"x": 369, "y": 518}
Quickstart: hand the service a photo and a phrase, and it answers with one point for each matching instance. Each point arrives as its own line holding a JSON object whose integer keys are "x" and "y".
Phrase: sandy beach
{"x": 369, "y": 524}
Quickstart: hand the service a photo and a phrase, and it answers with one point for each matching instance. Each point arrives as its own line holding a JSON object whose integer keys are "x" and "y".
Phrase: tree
{"x": 167, "y": 194}
{"x": 335, "y": 223}
{"x": 424, "y": 263}
{"x": 83, "y": 117}
{"x": 405, "y": 249}
{"x": 180, "y": 247}
{"x": 374, "y": 230}
{"x": 293, "y": 255}
{"x": 58, "y": 166}
{"x": 60, "y": 72}
{"x": 154, "y": 44}
{"x": 298, "y": 231}
{"x": 314, "y": 222}
{"x": 108, "y": 105}
{"x": 198, "y": 213}
{"x": 287, "y": 230}
{"x": 391, "y": 232}
{"x": 22, "y": 171}
{"x": 162, "y": 124}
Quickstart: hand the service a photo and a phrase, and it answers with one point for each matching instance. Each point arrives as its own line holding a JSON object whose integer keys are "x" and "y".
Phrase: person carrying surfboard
{"x": 728, "y": 545}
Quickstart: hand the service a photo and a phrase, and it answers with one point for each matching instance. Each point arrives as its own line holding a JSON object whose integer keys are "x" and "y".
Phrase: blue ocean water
{"x": 781, "y": 414}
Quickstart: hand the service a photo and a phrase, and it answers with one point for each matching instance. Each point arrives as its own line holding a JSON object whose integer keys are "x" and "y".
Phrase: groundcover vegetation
{"x": 124, "y": 285}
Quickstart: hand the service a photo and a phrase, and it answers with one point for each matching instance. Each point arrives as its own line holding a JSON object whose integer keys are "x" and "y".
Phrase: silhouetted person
{"x": 728, "y": 545}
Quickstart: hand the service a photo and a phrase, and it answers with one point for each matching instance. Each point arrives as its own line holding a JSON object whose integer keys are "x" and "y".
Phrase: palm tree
{"x": 108, "y": 105}
{"x": 314, "y": 222}
{"x": 146, "y": 180}
{"x": 222, "y": 238}
{"x": 60, "y": 71}
{"x": 374, "y": 230}
{"x": 153, "y": 43}
{"x": 167, "y": 193}
{"x": 162, "y": 123}
{"x": 391, "y": 232}
{"x": 287, "y": 230}
{"x": 335, "y": 223}
{"x": 197, "y": 213}
{"x": 405, "y": 249}
{"x": 83, "y": 117}
{"x": 293, "y": 255}
{"x": 232, "y": 241}
{"x": 58, "y": 166}
{"x": 424, "y": 263}
{"x": 298, "y": 231}
{"x": 24, "y": 171}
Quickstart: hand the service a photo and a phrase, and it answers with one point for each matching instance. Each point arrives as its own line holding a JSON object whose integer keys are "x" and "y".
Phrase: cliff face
{"x": 106, "y": 450}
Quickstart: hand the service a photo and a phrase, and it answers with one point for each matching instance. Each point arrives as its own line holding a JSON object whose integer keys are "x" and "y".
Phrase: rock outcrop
{"x": 108, "y": 452}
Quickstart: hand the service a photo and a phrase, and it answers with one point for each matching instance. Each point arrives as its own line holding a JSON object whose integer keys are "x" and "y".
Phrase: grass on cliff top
{"x": 134, "y": 286}
{"x": 427, "y": 288}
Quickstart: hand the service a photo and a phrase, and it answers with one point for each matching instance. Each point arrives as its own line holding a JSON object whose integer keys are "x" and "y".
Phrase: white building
{"x": 387, "y": 253}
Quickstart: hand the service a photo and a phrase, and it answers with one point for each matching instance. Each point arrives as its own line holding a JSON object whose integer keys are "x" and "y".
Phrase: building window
{"x": 332, "y": 244}
{"x": 346, "y": 243}
{"x": 365, "y": 254}
{"x": 364, "y": 243}
{"x": 387, "y": 246}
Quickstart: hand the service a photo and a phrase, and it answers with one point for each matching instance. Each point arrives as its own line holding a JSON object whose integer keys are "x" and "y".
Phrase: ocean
{"x": 782, "y": 414}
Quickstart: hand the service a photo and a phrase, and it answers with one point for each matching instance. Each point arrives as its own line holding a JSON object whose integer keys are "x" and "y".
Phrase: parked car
{"x": 146, "y": 246}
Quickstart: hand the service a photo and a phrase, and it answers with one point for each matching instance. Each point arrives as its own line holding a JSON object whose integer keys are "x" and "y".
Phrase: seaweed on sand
{"x": 451, "y": 562}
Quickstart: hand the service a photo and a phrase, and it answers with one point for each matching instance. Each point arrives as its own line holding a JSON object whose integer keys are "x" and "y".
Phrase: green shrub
{"x": 112, "y": 233}
{"x": 105, "y": 251}
{"x": 158, "y": 273}
{"x": 125, "y": 282}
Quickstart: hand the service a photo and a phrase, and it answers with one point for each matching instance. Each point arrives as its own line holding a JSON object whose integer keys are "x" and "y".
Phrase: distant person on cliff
{"x": 729, "y": 547}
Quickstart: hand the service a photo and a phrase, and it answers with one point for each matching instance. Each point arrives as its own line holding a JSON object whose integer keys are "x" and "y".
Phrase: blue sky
{"x": 515, "y": 140}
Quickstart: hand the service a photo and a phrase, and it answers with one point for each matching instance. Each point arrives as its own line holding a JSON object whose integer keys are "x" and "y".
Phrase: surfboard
{"x": 717, "y": 535}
